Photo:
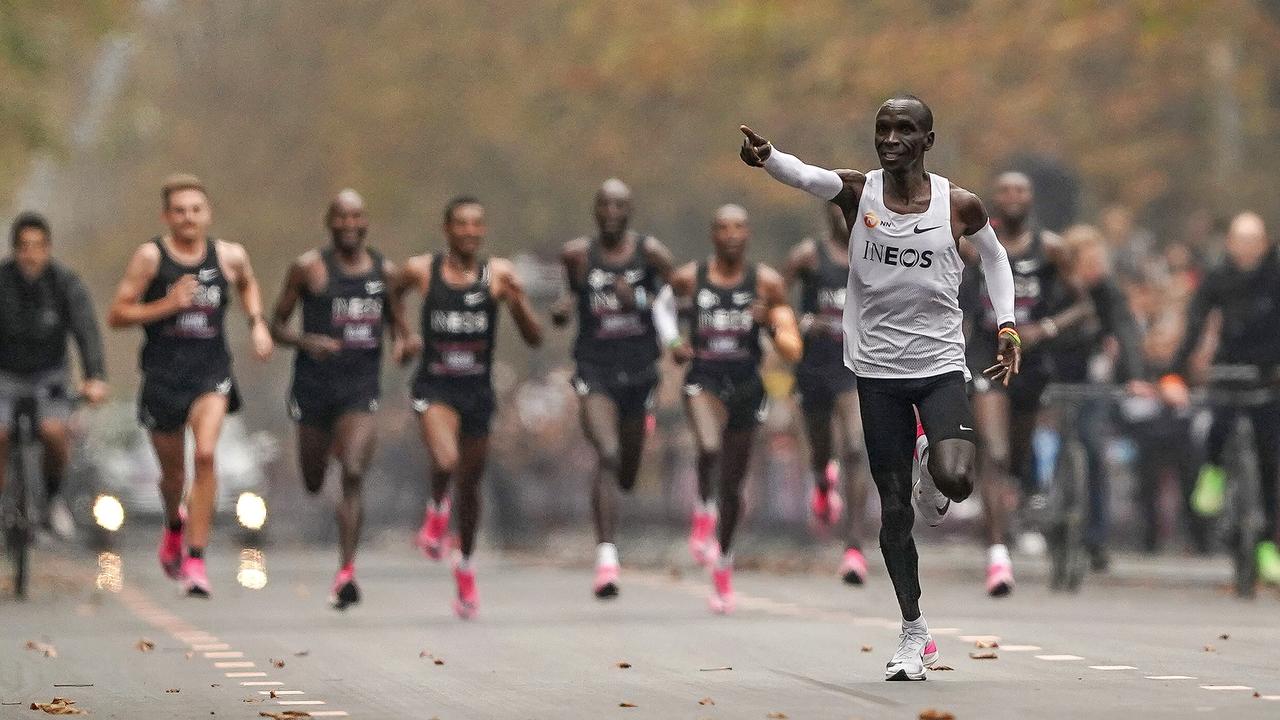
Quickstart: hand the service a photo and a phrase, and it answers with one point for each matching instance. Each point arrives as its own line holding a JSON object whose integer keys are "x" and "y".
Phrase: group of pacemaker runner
{"x": 879, "y": 339}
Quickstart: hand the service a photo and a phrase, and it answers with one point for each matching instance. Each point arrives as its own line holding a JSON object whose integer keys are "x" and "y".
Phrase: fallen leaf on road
{"x": 273, "y": 694}
{"x": 624, "y": 665}
{"x": 1257, "y": 694}
{"x": 1210, "y": 648}
{"x": 144, "y": 645}
{"x": 932, "y": 714}
{"x": 776, "y": 716}
{"x": 1224, "y": 636}
{"x": 48, "y": 650}
{"x": 174, "y": 690}
{"x": 706, "y": 701}
{"x": 984, "y": 655}
{"x": 285, "y": 714}
{"x": 986, "y": 644}
{"x": 626, "y": 704}
{"x": 941, "y": 668}
{"x": 277, "y": 663}
{"x": 438, "y": 661}
{"x": 867, "y": 648}
{"x": 302, "y": 653}
{"x": 59, "y": 706}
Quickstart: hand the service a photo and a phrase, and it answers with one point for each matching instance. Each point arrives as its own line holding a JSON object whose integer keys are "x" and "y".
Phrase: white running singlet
{"x": 902, "y": 316}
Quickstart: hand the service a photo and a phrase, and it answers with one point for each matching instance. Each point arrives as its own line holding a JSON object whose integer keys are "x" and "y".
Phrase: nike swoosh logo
{"x": 965, "y": 427}
{"x": 919, "y": 229}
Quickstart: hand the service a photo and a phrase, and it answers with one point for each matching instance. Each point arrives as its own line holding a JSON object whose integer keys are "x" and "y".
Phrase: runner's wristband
{"x": 1013, "y": 336}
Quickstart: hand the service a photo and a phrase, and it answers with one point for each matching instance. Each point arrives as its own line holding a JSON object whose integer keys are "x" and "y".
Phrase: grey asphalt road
{"x": 1159, "y": 639}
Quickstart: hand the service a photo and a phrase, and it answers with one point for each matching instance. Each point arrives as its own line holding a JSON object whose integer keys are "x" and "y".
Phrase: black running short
{"x": 320, "y": 406}
{"x": 631, "y": 389}
{"x": 474, "y": 402}
{"x": 164, "y": 404}
{"x": 889, "y": 408}
{"x": 744, "y": 398}
{"x": 819, "y": 386}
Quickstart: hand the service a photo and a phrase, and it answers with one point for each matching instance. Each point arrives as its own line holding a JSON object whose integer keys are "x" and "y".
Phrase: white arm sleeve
{"x": 996, "y": 271}
{"x": 788, "y": 169}
{"x": 664, "y": 316}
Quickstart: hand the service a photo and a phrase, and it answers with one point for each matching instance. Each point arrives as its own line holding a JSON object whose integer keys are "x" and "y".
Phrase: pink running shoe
{"x": 467, "y": 604}
{"x": 722, "y": 600}
{"x": 826, "y": 504}
{"x": 853, "y": 569}
{"x": 344, "y": 592}
{"x": 702, "y": 546}
{"x": 930, "y": 655}
{"x": 999, "y": 579}
{"x": 170, "y": 553}
{"x": 435, "y": 526}
{"x": 195, "y": 582}
{"x": 606, "y": 584}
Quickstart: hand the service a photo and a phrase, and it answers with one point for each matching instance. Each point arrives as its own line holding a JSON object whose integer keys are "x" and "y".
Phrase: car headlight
{"x": 251, "y": 511}
{"x": 108, "y": 513}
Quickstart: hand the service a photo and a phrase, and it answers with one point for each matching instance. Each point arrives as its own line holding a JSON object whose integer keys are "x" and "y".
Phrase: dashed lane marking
{"x": 1171, "y": 677}
{"x": 234, "y": 664}
{"x": 261, "y": 683}
{"x": 1225, "y": 687}
{"x": 221, "y": 654}
{"x": 1112, "y": 667}
{"x": 1021, "y": 648}
{"x": 245, "y": 674}
{"x": 1058, "y": 658}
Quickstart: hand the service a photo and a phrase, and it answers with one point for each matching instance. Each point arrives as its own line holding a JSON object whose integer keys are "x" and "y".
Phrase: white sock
{"x": 998, "y": 555}
{"x": 724, "y": 561}
{"x": 607, "y": 554}
{"x": 917, "y": 626}
{"x": 708, "y": 507}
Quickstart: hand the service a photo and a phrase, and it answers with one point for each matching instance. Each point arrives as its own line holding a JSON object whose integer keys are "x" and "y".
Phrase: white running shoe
{"x": 916, "y": 651}
{"x": 59, "y": 520}
{"x": 931, "y": 504}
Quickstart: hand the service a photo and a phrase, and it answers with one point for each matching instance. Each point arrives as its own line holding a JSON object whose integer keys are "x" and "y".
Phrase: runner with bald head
{"x": 346, "y": 310}
{"x": 902, "y": 333}
{"x": 1245, "y": 291}
{"x": 1044, "y": 304}
{"x": 614, "y": 281}
{"x": 729, "y": 302}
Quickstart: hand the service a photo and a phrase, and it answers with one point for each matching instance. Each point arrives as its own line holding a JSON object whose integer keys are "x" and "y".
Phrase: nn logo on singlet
{"x": 896, "y": 256}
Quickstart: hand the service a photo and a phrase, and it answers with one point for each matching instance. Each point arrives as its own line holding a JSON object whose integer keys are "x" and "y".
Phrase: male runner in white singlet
{"x": 903, "y": 337}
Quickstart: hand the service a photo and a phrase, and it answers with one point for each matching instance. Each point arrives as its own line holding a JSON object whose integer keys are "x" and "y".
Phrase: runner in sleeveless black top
{"x": 828, "y": 390}
{"x": 613, "y": 281}
{"x": 452, "y": 393}
{"x": 1006, "y": 416}
{"x": 347, "y": 307}
{"x": 728, "y": 302}
{"x": 176, "y": 288}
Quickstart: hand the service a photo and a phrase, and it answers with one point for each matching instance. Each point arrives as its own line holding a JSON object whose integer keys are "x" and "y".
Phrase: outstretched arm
{"x": 844, "y": 188}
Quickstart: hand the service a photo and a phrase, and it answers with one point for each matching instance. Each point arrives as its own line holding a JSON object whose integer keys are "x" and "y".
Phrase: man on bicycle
{"x": 1244, "y": 290}
{"x": 42, "y": 302}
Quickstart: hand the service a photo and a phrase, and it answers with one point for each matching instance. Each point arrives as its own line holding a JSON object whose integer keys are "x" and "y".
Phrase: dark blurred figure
{"x": 42, "y": 304}
{"x": 1107, "y": 348}
{"x": 1131, "y": 246}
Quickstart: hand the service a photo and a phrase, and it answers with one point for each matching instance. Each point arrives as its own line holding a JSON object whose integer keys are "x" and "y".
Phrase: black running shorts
{"x": 474, "y": 402}
{"x": 889, "y": 408}
{"x": 631, "y": 390}
{"x": 744, "y": 398}
{"x": 164, "y": 404}
{"x": 320, "y": 406}
{"x": 819, "y": 386}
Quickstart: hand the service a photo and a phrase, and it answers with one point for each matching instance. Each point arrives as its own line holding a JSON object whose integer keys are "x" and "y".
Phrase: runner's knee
{"x": 203, "y": 457}
{"x": 951, "y": 466}
{"x": 444, "y": 462}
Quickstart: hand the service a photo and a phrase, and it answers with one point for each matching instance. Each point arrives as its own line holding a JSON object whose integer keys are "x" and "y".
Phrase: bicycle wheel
{"x": 18, "y": 531}
{"x": 1065, "y": 534}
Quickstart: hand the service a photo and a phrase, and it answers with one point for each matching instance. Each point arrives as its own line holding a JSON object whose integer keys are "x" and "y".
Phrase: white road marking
{"x": 1225, "y": 687}
{"x": 260, "y": 683}
{"x": 1170, "y": 677}
{"x": 210, "y": 646}
{"x": 1269, "y": 697}
{"x": 980, "y": 638}
{"x": 281, "y": 692}
{"x": 1058, "y": 658}
{"x": 224, "y": 654}
{"x": 1112, "y": 667}
{"x": 1021, "y": 648}
{"x": 328, "y": 713}
{"x": 944, "y": 631}
{"x": 245, "y": 674}
{"x": 301, "y": 702}
{"x": 235, "y": 664}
